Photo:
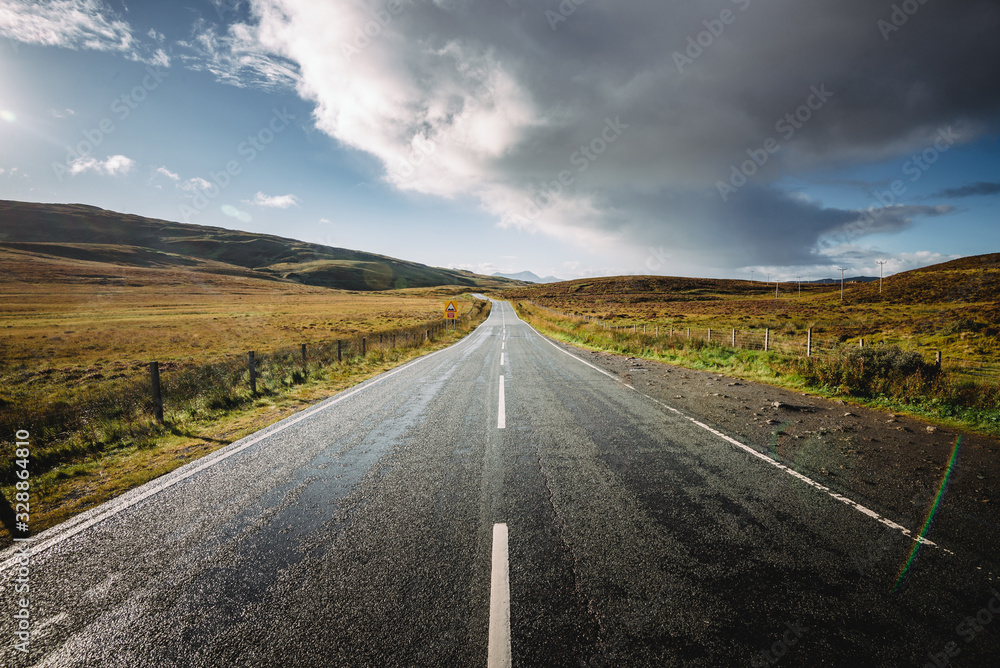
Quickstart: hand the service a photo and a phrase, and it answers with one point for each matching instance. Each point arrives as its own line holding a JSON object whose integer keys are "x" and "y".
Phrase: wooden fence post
{"x": 154, "y": 379}
{"x": 364, "y": 347}
{"x": 937, "y": 358}
{"x": 734, "y": 337}
{"x": 809, "y": 343}
{"x": 253, "y": 373}
{"x": 339, "y": 358}
{"x": 861, "y": 343}
{"x": 709, "y": 334}
{"x": 305, "y": 362}
{"x": 767, "y": 338}
{"x": 689, "y": 332}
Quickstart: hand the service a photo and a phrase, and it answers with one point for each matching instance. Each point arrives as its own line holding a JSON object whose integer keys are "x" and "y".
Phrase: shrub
{"x": 873, "y": 371}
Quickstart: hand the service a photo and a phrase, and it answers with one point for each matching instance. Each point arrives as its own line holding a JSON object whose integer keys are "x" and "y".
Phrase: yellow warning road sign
{"x": 451, "y": 311}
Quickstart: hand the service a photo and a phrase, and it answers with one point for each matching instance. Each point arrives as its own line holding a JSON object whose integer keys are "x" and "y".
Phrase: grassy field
{"x": 58, "y": 312}
{"x": 963, "y": 325}
{"x": 951, "y": 308}
{"x": 76, "y": 337}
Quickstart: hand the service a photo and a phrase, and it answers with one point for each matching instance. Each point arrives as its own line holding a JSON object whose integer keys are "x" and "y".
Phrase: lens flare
{"x": 930, "y": 515}
{"x": 8, "y": 116}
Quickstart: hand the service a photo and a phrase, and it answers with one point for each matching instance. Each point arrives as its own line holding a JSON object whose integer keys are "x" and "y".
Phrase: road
{"x": 501, "y": 495}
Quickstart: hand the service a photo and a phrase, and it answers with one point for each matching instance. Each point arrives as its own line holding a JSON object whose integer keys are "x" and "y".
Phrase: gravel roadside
{"x": 893, "y": 464}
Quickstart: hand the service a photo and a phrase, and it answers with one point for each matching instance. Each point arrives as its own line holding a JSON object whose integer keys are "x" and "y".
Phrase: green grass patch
{"x": 884, "y": 376}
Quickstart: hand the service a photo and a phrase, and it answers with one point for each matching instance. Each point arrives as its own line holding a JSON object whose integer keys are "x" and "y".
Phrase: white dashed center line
{"x": 501, "y": 413}
{"x": 499, "y": 648}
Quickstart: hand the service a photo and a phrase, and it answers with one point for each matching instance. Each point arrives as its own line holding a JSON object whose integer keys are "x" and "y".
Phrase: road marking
{"x": 499, "y": 647}
{"x": 501, "y": 413}
{"x": 501, "y": 359}
{"x": 503, "y": 345}
{"x": 804, "y": 478}
{"x": 83, "y": 521}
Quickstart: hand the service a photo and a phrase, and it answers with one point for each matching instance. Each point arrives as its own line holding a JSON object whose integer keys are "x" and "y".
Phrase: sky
{"x": 570, "y": 138}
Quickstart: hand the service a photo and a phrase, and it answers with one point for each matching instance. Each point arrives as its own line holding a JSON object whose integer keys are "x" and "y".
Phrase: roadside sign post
{"x": 451, "y": 313}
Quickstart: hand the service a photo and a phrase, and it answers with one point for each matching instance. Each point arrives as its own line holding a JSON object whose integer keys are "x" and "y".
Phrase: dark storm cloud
{"x": 514, "y": 98}
{"x": 972, "y": 190}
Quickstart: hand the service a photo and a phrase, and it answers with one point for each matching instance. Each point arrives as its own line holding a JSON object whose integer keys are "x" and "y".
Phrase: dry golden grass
{"x": 70, "y": 329}
{"x": 960, "y": 328}
{"x": 57, "y": 312}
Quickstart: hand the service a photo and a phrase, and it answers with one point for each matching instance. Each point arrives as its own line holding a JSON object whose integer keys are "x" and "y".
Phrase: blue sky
{"x": 571, "y": 139}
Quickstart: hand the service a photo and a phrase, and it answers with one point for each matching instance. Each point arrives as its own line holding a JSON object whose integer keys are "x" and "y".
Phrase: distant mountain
{"x": 847, "y": 279}
{"x": 88, "y": 233}
{"x": 528, "y": 277}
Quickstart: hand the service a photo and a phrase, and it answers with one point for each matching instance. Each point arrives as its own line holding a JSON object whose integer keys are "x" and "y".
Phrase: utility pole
{"x": 799, "y": 279}
{"x": 880, "y": 265}
{"x": 775, "y": 289}
{"x": 842, "y": 270}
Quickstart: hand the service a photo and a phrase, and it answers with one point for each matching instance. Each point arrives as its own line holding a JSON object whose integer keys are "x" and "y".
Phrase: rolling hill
{"x": 81, "y": 232}
{"x": 972, "y": 279}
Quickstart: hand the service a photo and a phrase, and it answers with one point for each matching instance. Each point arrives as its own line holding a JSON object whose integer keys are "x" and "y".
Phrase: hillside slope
{"x": 82, "y": 232}
{"x": 972, "y": 279}
{"x": 967, "y": 280}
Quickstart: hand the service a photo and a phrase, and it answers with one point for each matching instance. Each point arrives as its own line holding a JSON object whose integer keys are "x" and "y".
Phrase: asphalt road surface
{"x": 500, "y": 500}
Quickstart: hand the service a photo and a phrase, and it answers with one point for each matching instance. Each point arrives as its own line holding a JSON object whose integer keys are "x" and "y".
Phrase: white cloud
{"x": 325, "y": 221}
{"x": 273, "y": 201}
{"x": 113, "y": 165}
{"x": 483, "y": 268}
{"x": 196, "y": 183}
{"x": 73, "y": 24}
{"x": 62, "y": 113}
{"x": 857, "y": 261}
{"x": 237, "y": 58}
{"x": 163, "y": 171}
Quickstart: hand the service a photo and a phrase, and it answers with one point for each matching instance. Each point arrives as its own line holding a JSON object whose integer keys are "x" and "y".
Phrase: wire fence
{"x": 799, "y": 343}
{"x": 120, "y": 410}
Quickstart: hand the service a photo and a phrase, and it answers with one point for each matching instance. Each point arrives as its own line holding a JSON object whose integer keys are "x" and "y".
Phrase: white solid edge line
{"x": 763, "y": 457}
{"x": 84, "y": 521}
{"x": 498, "y": 654}
{"x": 502, "y": 409}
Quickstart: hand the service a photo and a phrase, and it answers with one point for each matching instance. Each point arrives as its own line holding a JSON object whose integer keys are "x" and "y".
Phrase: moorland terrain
{"x": 88, "y": 298}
